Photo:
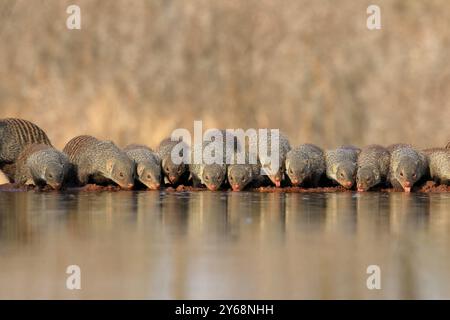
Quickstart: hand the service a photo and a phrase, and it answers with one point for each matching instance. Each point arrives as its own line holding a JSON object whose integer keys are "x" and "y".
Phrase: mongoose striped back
{"x": 78, "y": 145}
{"x": 15, "y": 134}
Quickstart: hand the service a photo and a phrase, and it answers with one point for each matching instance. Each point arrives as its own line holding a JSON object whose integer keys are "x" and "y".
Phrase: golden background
{"x": 139, "y": 69}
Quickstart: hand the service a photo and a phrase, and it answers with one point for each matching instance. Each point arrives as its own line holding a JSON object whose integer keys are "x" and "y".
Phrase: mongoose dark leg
{"x": 316, "y": 181}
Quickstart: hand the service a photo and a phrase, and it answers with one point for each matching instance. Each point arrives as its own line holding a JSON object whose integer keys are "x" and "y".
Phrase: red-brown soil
{"x": 428, "y": 187}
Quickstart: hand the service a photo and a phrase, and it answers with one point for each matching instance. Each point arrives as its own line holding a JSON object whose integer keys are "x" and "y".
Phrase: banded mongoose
{"x": 148, "y": 165}
{"x": 305, "y": 164}
{"x": 15, "y": 134}
{"x": 207, "y": 171}
{"x": 395, "y": 146}
{"x": 173, "y": 173}
{"x": 373, "y": 167}
{"x": 407, "y": 166}
{"x": 341, "y": 165}
{"x": 97, "y": 160}
{"x": 276, "y": 175}
{"x": 242, "y": 175}
{"x": 439, "y": 164}
{"x": 41, "y": 165}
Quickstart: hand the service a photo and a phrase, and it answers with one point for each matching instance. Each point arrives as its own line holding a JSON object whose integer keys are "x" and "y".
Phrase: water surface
{"x": 201, "y": 245}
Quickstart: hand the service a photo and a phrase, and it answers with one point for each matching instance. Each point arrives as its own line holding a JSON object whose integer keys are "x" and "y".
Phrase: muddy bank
{"x": 428, "y": 187}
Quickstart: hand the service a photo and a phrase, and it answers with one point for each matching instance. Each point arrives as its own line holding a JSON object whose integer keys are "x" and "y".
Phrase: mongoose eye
{"x": 414, "y": 175}
{"x": 291, "y": 171}
{"x": 342, "y": 175}
{"x": 207, "y": 177}
{"x": 401, "y": 174}
{"x": 50, "y": 175}
{"x": 121, "y": 174}
{"x": 167, "y": 169}
{"x": 149, "y": 176}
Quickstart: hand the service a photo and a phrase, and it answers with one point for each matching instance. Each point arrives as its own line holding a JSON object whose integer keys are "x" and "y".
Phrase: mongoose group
{"x": 28, "y": 157}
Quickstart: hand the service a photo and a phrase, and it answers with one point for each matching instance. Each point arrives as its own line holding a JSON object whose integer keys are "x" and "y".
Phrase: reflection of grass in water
{"x": 135, "y": 72}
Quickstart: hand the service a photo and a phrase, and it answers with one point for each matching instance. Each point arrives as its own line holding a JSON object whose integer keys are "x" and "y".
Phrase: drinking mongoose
{"x": 98, "y": 160}
{"x": 15, "y": 134}
{"x": 41, "y": 165}
{"x": 148, "y": 165}
{"x": 173, "y": 173}
{"x": 407, "y": 166}
{"x": 276, "y": 175}
{"x": 373, "y": 167}
{"x": 305, "y": 164}
{"x": 242, "y": 175}
{"x": 210, "y": 174}
{"x": 439, "y": 164}
{"x": 341, "y": 165}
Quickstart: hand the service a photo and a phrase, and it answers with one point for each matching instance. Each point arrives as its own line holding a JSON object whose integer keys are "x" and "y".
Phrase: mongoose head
{"x": 406, "y": 173}
{"x": 277, "y": 176}
{"x": 239, "y": 176}
{"x": 121, "y": 171}
{"x": 345, "y": 174}
{"x": 366, "y": 178}
{"x": 213, "y": 176}
{"x": 298, "y": 170}
{"x": 48, "y": 168}
{"x": 149, "y": 174}
{"x": 172, "y": 171}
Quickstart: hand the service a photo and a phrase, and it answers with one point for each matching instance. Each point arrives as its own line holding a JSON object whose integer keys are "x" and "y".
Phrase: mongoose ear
{"x": 109, "y": 165}
{"x": 140, "y": 169}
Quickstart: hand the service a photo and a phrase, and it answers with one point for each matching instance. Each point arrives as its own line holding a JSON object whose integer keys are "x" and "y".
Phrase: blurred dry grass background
{"x": 139, "y": 69}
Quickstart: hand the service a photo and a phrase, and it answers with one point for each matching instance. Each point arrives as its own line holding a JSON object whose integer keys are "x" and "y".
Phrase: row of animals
{"x": 27, "y": 157}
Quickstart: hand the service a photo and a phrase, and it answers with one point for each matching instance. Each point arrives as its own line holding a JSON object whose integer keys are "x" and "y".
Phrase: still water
{"x": 203, "y": 245}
